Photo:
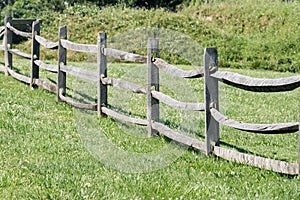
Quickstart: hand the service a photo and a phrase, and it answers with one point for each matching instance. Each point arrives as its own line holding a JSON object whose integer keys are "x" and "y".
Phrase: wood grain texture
{"x": 124, "y": 85}
{"x": 46, "y": 85}
{"x": 18, "y": 32}
{"x": 19, "y": 77}
{"x": 76, "y": 104}
{"x": 20, "y": 53}
{"x": 46, "y": 43}
{"x": 257, "y": 161}
{"x": 174, "y": 71}
{"x": 186, "y": 140}
{"x": 258, "y": 84}
{"x": 86, "y": 48}
{"x": 279, "y": 128}
{"x": 115, "y": 115}
{"x": 81, "y": 73}
{"x": 177, "y": 104}
{"x": 123, "y": 55}
{"x": 50, "y": 68}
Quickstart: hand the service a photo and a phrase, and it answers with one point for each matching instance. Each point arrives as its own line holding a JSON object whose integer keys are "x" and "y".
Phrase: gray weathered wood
{"x": 2, "y": 68}
{"x": 102, "y": 73}
{"x": 258, "y": 84}
{"x": 46, "y": 43}
{"x": 2, "y": 48}
{"x": 177, "y": 104}
{"x": 211, "y": 93}
{"x": 124, "y": 85}
{"x": 264, "y": 163}
{"x": 62, "y": 61}
{"x": 81, "y": 73}
{"x": 87, "y": 48}
{"x": 186, "y": 140}
{"x": 35, "y": 52}
{"x": 123, "y": 55}
{"x": 47, "y": 67}
{"x": 174, "y": 71}
{"x": 152, "y": 82}
{"x": 18, "y": 32}
{"x": 44, "y": 84}
{"x": 122, "y": 117}
{"x": 7, "y": 44}
{"x": 76, "y": 104}
{"x": 279, "y": 128}
{"x": 299, "y": 145}
{"x": 20, "y": 53}
{"x": 19, "y": 77}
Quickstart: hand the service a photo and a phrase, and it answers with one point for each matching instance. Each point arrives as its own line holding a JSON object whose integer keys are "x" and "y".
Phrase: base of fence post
{"x": 211, "y": 93}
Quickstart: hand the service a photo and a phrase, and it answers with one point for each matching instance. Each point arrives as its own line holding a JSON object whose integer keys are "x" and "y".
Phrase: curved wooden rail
{"x": 20, "y": 77}
{"x": 257, "y": 161}
{"x": 81, "y": 73}
{"x": 258, "y": 84}
{"x": 44, "y": 84}
{"x": 76, "y": 104}
{"x": 18, "y": 32}
{"x": 177, "y": 104}
{"x": 123, "y": 55}
{"x": 46, "y": 43}
{"x": 20, "y": 53}
{"x": 186, "y": 140}
{"x": 47, "y": 67}
{"x": 124, "y": 85}
{"x": 174, "y": 71}
{"x": 86, "y": 48}
{"x": 122, "y": 117}
{"x": 279, "y": 128}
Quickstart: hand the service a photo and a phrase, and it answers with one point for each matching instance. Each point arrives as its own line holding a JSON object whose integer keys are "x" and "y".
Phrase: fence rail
{"x": 209, "y": 71}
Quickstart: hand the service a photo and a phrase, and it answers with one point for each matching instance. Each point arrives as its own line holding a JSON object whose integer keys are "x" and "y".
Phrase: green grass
{"x": 45, "y": 156}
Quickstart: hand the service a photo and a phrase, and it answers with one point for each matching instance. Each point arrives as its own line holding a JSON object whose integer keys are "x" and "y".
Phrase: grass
{"x": 44, "y": 155}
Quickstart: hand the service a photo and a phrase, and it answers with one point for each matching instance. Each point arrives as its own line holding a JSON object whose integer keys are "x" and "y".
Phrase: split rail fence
{"x": 210, "y": 73}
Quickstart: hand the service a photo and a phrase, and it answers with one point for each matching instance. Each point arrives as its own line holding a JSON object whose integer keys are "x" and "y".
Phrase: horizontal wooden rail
{"x": 124, "y": 85}
{"x": 279, "y": 128}
{"x": 44, "y": 84}
{"x": 186, "y": 140}
{"x": 81, "y": 73}
{"x": 46, "y": 43}
{"x": 258, "y": 84}
{"x": 174, "y": 71}
{"x": 122, "y": 117}
{"x": 86, "y": 48}
{"x": 257, "y": 161}
{"x": 20, "y": 53}
{"x": 18, "y": 32}
{"x": 123, "y": 55}
{"x": 76, "y": 104}
{"x": 47, "y": 67}
{"x": 20, "y": 77}
{"x": 177, "y": 104}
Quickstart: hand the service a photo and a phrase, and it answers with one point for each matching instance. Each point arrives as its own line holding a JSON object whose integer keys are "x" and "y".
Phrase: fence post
{"x": 7, "y": 44}
{"x": 35, "y": 53}
{"x": 211, "y": 93}
{"x": 62, "y": 59}
{"x": 299, "y": 145}
{"x": 152, "y": 83}
{"x": 102, "y": 72}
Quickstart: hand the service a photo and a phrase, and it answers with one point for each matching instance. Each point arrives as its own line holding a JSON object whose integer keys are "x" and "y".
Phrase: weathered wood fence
{"x": 210, "y": 73}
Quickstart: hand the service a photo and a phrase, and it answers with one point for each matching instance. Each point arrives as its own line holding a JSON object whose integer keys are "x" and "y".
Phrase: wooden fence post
{"x": 299, "y": 145}
{"x": 102, "y": 73}
{"x": 152, "y": 83}
{"x": 7, "y": 44}
{"x": 62, "y": 59}
{"x": 35, "y": 53}
{"x": 211, "y": 93}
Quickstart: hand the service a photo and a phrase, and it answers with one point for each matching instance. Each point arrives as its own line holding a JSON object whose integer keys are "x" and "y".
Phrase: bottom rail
{"x": 76, "y": 104}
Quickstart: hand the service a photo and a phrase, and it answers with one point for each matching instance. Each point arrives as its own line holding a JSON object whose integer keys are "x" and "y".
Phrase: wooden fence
{"x": 210, "y": 73}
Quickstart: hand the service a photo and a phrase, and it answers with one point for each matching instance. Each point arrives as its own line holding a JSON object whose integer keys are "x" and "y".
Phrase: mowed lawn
{"x": 42, "y": 154}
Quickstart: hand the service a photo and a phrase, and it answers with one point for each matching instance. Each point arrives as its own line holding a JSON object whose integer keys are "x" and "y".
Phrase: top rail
{"x": 123, "y": 55}
{"x": 46, "y": 43}
{"x": 86, "y": 48}
{"x": 258, "y": 84}
{"x": 18, "y": 32}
